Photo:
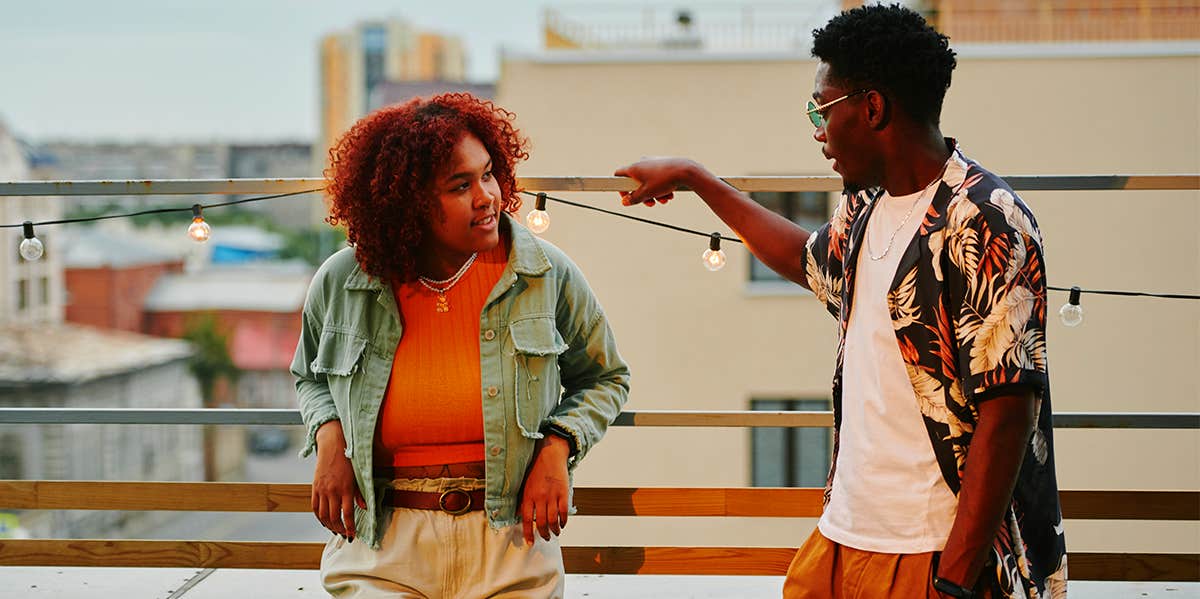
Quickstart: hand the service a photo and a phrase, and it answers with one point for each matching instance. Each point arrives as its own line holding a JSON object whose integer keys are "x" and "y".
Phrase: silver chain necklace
{"x": 892, "y": 239}
{"x": 441, "y": 287}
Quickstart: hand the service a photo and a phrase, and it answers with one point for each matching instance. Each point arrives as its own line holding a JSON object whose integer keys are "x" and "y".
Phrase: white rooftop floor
{"x": 176, "y": 583}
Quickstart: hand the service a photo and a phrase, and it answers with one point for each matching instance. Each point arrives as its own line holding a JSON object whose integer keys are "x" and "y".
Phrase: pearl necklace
{"x": 441, "y": 287}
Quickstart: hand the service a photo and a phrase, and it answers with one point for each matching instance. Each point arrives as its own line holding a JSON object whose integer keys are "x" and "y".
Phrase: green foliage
{"x": 211, "y": 360}
{"x": 312, "y": 245}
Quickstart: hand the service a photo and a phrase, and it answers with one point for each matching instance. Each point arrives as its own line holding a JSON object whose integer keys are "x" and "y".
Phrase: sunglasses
{"x": 815, "y": 110}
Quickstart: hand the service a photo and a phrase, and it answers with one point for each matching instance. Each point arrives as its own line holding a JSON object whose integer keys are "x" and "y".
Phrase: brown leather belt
{"x": 454, "y": 501}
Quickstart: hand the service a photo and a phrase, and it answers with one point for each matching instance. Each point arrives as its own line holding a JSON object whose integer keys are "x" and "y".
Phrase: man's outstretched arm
{"x": 775, "y": 240}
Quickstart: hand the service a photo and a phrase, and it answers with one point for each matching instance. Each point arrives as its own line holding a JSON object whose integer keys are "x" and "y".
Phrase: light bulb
{"x": 1071, "y": 313}
{"x": 538, "y": 219}
{"x": 31, "y": 247}
{"x": 714, "y": 258}
{"x": 199, "y": 230}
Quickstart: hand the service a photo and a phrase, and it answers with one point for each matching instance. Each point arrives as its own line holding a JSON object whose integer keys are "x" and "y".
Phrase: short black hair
{"x": 893, "y": 49}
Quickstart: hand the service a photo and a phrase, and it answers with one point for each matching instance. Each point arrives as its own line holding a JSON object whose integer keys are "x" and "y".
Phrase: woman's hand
{"x": 544, "y": 497}
{"x": 334, "y": 490}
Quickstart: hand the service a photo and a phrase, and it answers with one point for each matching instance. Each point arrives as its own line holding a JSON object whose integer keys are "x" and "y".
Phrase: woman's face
{"x": 469, "y": 197}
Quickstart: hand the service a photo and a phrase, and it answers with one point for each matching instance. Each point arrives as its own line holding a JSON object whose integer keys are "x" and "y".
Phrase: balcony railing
{"x": 1085, "y": 504}
{"x": 591, "y": 501}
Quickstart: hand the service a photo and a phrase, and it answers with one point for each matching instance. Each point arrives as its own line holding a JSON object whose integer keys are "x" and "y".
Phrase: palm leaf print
{"x": 1013, "y": 215}
{"x": 963, "y": 240}
{"x": 1010, "y": 312}
{"x": 902, "y": 302}
{"x": 997, "y": 249}
{"x": 1037, "y": 444}
{"x": 958, "y": 428}
{"x": 1016, "y": 259}
{"x": 826, "y": 287}
{"x": 839, "y": 227}
{"x": 936, "y": 240}
{"x": 929, "y": 394}
{"x": 1030, "y": 352}
{"x": 943, "y": 344}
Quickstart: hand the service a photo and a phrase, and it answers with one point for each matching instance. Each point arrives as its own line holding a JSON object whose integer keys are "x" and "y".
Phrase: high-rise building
{"x": 356, "y": 62}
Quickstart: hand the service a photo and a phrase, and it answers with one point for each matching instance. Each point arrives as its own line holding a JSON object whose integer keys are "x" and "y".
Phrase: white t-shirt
{"x": 888, "y": 494}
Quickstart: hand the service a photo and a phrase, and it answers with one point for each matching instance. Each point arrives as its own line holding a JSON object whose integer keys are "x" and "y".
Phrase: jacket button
{"x": 489, "y": 334}
{"x": 495, "y": 450}
{"x": 492, "y": 391}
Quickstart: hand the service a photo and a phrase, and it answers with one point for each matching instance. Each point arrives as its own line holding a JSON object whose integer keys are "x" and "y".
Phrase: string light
{"x": 714, "y": 258}
{"x": 31, "y": 247}
{"x": 538, "y": 219}
{"x": 199, "y": 230}
{"x": 1071, "y": 313}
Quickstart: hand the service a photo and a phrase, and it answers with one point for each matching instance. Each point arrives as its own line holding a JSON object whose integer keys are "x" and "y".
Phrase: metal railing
{"x": 664, "y": 418}
{"x": 1098, "y": 182}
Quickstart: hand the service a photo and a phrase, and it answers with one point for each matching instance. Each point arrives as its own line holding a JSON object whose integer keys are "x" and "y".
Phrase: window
{"x": 790, "y": 457}
{"x": 809, "y": 209}
{"x": 10, "y": 457}
{"x": 22, "y": 294}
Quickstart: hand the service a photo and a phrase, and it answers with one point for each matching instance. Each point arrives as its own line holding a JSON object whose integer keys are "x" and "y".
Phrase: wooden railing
{"x": 591, "y": 501}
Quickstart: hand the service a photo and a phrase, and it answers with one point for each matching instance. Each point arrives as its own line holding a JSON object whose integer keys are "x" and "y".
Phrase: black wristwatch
{"x": 952, "y": 589}
{"x": 558, "y": 431}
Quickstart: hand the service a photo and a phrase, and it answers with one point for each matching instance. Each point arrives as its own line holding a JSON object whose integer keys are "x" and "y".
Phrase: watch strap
{"x": 952, "y": 589}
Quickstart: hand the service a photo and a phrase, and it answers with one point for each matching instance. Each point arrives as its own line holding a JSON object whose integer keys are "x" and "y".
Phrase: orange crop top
{"x": 432, "y": 411}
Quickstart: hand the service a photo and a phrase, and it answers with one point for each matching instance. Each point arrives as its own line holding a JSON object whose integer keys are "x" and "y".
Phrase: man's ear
{"x": 879, "y": 110}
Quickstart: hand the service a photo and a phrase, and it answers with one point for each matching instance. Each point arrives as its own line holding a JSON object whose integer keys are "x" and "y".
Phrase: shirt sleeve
{"x": 998, "y": 286}
{"x": 595, "y": 378}
{"x": 312, "y": 388}
{"x": 822, "y": 256}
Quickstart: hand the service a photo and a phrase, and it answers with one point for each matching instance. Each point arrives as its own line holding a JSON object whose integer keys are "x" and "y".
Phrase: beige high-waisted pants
{"x": 431, "y": 554}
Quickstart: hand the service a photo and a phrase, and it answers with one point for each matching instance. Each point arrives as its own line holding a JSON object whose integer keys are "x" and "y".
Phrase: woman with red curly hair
{"x": 452, "y": 368}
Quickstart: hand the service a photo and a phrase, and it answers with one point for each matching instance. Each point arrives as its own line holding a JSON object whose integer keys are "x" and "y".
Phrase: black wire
{"x": 161, "y": 210}
{"x": 548, "y": 197}
{"x": 734, "y": 239}
{"x": 639, "y": 219}
{"x": 1130, "y": 293}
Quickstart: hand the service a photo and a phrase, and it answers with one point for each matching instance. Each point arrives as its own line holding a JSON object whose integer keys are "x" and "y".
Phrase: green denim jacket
{"x": 547, "y": 356}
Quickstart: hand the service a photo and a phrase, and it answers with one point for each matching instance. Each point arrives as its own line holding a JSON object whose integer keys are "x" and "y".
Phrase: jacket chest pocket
{"x": 339, "y": 358}
{"x": 537, "y": 344}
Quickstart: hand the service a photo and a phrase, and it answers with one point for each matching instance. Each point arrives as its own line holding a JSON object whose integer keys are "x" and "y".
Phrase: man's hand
{"x": 1001, "y": 438}
{"x": 658, "y": 178}
{"x": 334, "y": 490}
{"x": 544, "y": 497}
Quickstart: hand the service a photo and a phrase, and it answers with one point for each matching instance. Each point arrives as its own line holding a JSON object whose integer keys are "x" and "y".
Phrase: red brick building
{"x": 108, "y": 277}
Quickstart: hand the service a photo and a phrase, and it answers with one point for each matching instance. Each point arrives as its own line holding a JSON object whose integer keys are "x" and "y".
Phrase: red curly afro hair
{"x": 382, "y": 170}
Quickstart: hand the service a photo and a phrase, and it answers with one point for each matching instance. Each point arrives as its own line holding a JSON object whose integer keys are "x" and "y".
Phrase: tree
{"x": 210, "y": 361}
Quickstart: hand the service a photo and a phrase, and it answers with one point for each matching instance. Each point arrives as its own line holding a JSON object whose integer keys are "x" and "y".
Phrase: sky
{"x": 199, "y": 70}
{"x": 218, "y": 70}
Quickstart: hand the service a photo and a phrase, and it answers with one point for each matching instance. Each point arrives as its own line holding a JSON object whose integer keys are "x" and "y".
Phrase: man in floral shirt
{"x": 942, "y": 482}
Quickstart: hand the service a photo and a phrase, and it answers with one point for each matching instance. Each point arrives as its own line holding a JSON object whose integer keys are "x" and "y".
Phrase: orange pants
{"x": 823, "y": 569}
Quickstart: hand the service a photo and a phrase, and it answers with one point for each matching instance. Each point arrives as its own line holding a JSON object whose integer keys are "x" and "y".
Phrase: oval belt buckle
{"x": 466, "y": 507}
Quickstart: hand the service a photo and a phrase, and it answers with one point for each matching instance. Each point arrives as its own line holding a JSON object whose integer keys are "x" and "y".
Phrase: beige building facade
{"x": 698, "y": 340}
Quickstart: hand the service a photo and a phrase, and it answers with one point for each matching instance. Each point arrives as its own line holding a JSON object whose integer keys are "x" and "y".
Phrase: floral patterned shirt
{"x": 968, "y": 305}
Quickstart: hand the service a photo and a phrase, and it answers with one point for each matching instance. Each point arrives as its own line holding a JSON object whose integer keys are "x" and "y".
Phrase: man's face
{"x": 845, "y": 137}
